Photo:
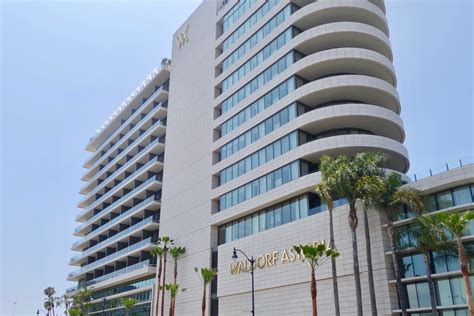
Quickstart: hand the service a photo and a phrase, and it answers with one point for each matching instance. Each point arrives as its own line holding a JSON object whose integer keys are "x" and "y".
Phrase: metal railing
{"x": 447, "y": 166}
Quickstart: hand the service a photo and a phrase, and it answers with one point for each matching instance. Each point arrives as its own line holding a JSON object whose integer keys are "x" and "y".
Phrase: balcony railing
{"x": 108, "y": 276}
{"x": 113, "y": 238}
{"x": 114, "y": 221}
{"x": 126, "y": 150}
{"x": 133, "y": 115}
{"x": 110, "y": 257}
{"x": 127, "y": 135}
{"x": 130, "y": 176}
{"x": 107, "y": 195}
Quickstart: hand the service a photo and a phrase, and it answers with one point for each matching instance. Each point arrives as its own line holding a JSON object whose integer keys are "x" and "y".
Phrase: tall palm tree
{"x": 158, "y": 253}
{"x": 315, "y": 255}
{"x": 325, "y": 192}
{"x": 347, "y": 172}
{"x": 206, "y": 275}
{"x": 176, "y": 252}
{"x": 49, "y": 292}
{"x": 458, "y": 225}
{"x": 128, "y": 303}
{"x": 428, "y": 234}
{"x": 392, "y": 198}
{"x": 173, "y": 290}
{"x": 165, "y": 241}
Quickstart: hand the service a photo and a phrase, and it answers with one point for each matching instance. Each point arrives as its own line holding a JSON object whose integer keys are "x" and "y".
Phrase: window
{"x": 462, "y": 196}
{"x": 444, "y": 199}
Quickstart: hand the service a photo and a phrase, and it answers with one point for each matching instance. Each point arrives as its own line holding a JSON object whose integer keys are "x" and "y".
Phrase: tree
{"x": 81, "y": 301}
{"x": 206, "y": 275}
{"x": 458, "y": 225}
{"x": 128, "y": 303}
{"x": 315, "y": 256}
{"x": 347, "y": 172}
{"x": 158, "y": 253}
{"x": 165, "y": 242}
{"x": 173, "y": 289}
{"x": 50, "y": 300}
{"x": 326, "y": 194}
{"x": 65, "y": 300}
{"x": 75, "y": 312}
{"x": 176, "y": 252}
{"x": 391, "y": 200}
{"x": 428, "y": 234}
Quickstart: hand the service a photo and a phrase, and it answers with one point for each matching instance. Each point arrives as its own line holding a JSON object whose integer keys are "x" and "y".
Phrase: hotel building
{"x": 258, "y": 92}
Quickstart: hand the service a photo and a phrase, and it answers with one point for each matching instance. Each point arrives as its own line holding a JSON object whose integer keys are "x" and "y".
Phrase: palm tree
{"x": 49, "y": 292}
{"x": 206, "y": 275}
{"x": 173, "y": 289}
{"x": 81, "y": 300}
{"x": 392, "y": 198}
{"x": 315, "y": 256}
{"x": 325, "y": 192}
{"x": 176, "y": 252}
{"x": 74, "y": 312}
{"x": 458, "y": 225}
{"x": 428, "y": 234}
{"x": 165, "y": 242}
{"x": 158, "y": 253}
{"x": 347, "y": 172}
{"x": 128, "y": 303}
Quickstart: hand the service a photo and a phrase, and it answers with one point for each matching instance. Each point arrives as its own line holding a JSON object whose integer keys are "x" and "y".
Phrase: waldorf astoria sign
{"x": 266, "y": 260}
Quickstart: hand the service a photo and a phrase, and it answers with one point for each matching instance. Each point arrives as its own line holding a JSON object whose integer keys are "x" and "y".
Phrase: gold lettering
{"x": 260, "y": 262}
{"x": 293, "y": 254}
{"x": 284, "y": 257}
{"x": 268, "y": 258}
{"x": 274, "y": 257}
{"x": 240, "y": 267}
{"x": 233, "y": 269}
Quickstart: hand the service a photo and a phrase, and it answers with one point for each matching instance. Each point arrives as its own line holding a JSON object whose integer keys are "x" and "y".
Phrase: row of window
{"x": 449, "y": 291}
{"x": 445, "y": 312}
{"x": 266, "y": 183}
{"x": 445, "y": 199}
{"x": 413, "y": 265}
{"x": 258, "y": 36}
{"x": 261, "y": 104}
{"x": 258, "y": 58}
{"x": 140, "y": 297}
{"x": 260, "y": 80}
{"x": 251, "y": 21}
{"x": 270, "y": 124}
{"x": 123, "y": 288}
{"x": 235, "y": 13}
{"x": 264, "y": 155}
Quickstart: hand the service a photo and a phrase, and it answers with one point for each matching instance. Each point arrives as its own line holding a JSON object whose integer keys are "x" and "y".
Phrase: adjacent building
{"x": 259, "y": 91}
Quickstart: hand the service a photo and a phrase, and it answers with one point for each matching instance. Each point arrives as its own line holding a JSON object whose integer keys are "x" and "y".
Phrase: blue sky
{"x": 65, "y": 66}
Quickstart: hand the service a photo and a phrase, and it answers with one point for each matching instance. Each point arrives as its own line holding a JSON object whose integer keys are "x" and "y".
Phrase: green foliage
{"x": 165, "y": 241}
{"x": 173, "y": 289}
{"x": 81, "y": 300}
{"x": 74, "y": 312}
{"x": 326, "y": 193}
{"x": 49, "y": 291}
{"x": 128, "y": 302}
{"x": 315, "y": 254}
{"x": 429, "y": 233}
{"x": 177, "y": 251}
{"x": 157, "y": 252}
{"x": 206, "y": 275}
{"x": 456, "y": 223}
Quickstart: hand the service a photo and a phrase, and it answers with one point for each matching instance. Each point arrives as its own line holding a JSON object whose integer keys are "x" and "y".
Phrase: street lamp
{"x": 252, "y": 261}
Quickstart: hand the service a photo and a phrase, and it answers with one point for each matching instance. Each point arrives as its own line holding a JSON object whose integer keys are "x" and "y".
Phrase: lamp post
{"x": 252, "y": 261}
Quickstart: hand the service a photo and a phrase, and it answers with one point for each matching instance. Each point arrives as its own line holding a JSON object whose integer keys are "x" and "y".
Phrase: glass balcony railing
{"x": 127, "y": 135}
{"x": 110, "y": 257}
{"x": 130, "y": 176}
{"x": 126, "y": 150}
{"x": 108, "y": 194}
{"x": 108, "y": 276}
{"x": 115, "y": 204}
{"x": 164, "y": 104}
{"x": 136, "y": 157}
{"x": 113, "y": 238}
{"x": 114, "y": 221}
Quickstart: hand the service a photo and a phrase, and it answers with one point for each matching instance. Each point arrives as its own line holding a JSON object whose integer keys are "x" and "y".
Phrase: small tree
{"x": 206, "y": 275}
{"x": 173, "y": 290}
{"x": 82, "y": 300}
{"x": 458, "y": 225}
{"x": 158, "y": 253}
{"x": 176, "y": 252}
{"x": 128, "y": 303}
{"x": 315, "y": 255}
{"x": 75, "y": 312}
{"x": 165, "y": 242}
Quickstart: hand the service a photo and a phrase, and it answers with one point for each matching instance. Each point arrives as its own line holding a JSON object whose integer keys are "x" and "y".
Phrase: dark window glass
{"x": 444, "y": 200}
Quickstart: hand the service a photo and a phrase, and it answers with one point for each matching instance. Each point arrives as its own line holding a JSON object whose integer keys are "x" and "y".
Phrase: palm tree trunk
{"x": 203, "y": 304}
{"x": 353, "y": 222}
{"x": 314, "y": 294}
{"x": 164, "y": 279}
{"x": 333, "y": 264}
{"x": 368, "y": 250}
{"x": 426, "y": 259}
{"x": 171, "y": 307}
{"x": 158, "y": 281}
{"x": 175, "y": 278}
{"x": 465, "y": 275}
{"x": 396, "y": 268}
